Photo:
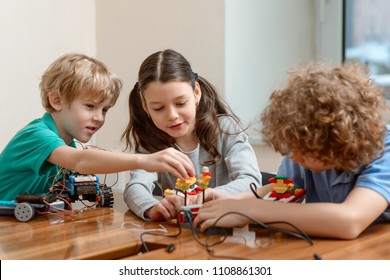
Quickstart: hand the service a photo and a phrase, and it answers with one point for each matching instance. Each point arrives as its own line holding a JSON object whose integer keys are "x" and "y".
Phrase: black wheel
{"x": 107, "y": 197}
{"x": 24, "y": 212}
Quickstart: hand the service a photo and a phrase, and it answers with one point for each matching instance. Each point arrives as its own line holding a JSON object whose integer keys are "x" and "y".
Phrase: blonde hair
{"x": 75, "y": 74}
{"x": 333, "y": 114}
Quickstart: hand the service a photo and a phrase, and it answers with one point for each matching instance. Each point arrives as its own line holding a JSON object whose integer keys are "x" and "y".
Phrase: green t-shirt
{"x": 23, "y": 165}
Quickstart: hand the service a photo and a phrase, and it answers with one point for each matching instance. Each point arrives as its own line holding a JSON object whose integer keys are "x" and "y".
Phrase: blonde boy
{"x": 77, "y": 91}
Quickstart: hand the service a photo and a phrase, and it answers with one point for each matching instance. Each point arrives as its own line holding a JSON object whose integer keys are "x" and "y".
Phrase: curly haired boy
{"x": 328, "y": 122}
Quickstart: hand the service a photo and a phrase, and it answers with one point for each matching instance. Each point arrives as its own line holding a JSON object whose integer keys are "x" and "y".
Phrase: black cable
{"x": 253, "y": 188}
{"x": 207, "y": 245}
{"x": 317, "y": 256}
{"x": 81, "y": 144}
{"x": 157, "y": 234}
{"x": 187, "y": 217}
{"x": 300, "y": 233}
{"x": 191, "y": 224}
{"x": 179, "y": 190}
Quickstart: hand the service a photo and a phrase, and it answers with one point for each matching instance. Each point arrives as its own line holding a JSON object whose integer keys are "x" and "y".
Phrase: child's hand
{"x": 194, "y": 199}
{"x": 212, "y": 194}
{"x": 211, "y": 211}
{"x": 171, "y": 161}
{"x": 166, "y": 209}
{"x": 209, "y": 194}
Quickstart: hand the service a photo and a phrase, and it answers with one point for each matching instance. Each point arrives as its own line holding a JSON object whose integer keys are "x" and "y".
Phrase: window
{"x": 367, "y": 37}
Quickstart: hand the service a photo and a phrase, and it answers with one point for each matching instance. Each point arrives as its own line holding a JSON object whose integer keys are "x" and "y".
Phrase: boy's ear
{"x": 55, "y": 100}
{"x": 197, "y": 93}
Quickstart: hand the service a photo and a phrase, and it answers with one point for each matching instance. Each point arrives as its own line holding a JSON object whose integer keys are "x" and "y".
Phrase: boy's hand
{"x": 166, "y": 209}
{"x": 212, "y": 211}
{"x": 171, "y": 161}
{"x": 209, "y": 194}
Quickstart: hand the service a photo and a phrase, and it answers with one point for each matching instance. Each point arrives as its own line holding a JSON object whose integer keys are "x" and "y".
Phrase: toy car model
{"x": 25, "y": 206}
{"x": 75, "y": 186}
{"x": 71, "y": 187}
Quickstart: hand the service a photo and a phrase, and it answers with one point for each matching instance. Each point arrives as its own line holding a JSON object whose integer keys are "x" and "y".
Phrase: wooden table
{"x": 105, "y": 233}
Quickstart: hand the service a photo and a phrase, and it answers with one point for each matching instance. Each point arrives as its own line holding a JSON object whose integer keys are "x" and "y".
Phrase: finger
{"x": 185, "y": 169}
{"x": 188, "y": 165}
{"x": 199, "y": 198}
{"x": 197, "y": 221}
{"x": 184, "y": 164}
{"x": 175, "y": 166}
{"x": 160, "y": 208}
{"x": 192, "y": 199}
{"x": 175, "y": 172}
{"x": 201, "y": 218}
{"x": 207, "y": 205}
{"x": 177, "y": 202}
{"x": 204, "y": 225}
{"x": 170, "y": 207}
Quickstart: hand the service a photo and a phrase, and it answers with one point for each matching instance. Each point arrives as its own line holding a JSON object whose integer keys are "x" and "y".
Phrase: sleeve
{"x": 138, "y": 193}
{"x": 376, "y": 175}
{"x": 34, "y": 145}
{"x": 240, "y": 160}
{"x": 291, "y": 170}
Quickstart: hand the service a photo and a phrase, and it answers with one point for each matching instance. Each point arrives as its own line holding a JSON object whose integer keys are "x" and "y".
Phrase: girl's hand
{"x": 211, "y": 211}
{"x": 166, "y": 209}
{"x": 171, "y": 161}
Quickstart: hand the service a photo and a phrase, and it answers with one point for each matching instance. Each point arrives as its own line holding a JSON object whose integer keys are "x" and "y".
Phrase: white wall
{"x": 329, "y": 32}
{"x": 130, "y": 30}
{"x": 263, "y": 40}
{"x": 244, "y": 47}
{"x": 32, "y": 35}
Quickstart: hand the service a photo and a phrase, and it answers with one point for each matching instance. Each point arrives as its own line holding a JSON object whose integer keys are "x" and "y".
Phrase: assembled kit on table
{"x": 284, "y": 190}
{"x": 191, "y": 186}
{"x": 70, "y": 188}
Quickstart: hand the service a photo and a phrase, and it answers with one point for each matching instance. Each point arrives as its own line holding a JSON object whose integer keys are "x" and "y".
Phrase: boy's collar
{"x": 48, "y": 119}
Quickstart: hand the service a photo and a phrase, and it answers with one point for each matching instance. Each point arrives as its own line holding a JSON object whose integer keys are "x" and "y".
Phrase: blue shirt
{"x": 334, "y": 186}
{"x": 23, "y": 165}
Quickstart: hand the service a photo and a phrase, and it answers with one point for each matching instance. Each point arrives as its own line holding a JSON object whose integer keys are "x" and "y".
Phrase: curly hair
{"x": 165, "y": 66}
{"x": 333, "y": 114}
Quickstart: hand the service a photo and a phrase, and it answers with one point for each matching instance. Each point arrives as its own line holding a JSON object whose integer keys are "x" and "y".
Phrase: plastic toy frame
{"x": 284, "y": 190}
{"x": 25, "y": 211}
{"x": 187, "y": 214}
{"x": 70, "y": 188}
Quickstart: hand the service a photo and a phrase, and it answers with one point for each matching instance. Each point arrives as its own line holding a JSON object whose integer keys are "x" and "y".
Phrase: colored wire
{"x": 253, "y": 188}
{"x": 157, "y": 234}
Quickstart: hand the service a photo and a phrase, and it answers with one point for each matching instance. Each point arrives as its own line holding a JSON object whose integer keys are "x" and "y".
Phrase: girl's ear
{"x": 197, "y": 93}
{"x": 55, "y": 100}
